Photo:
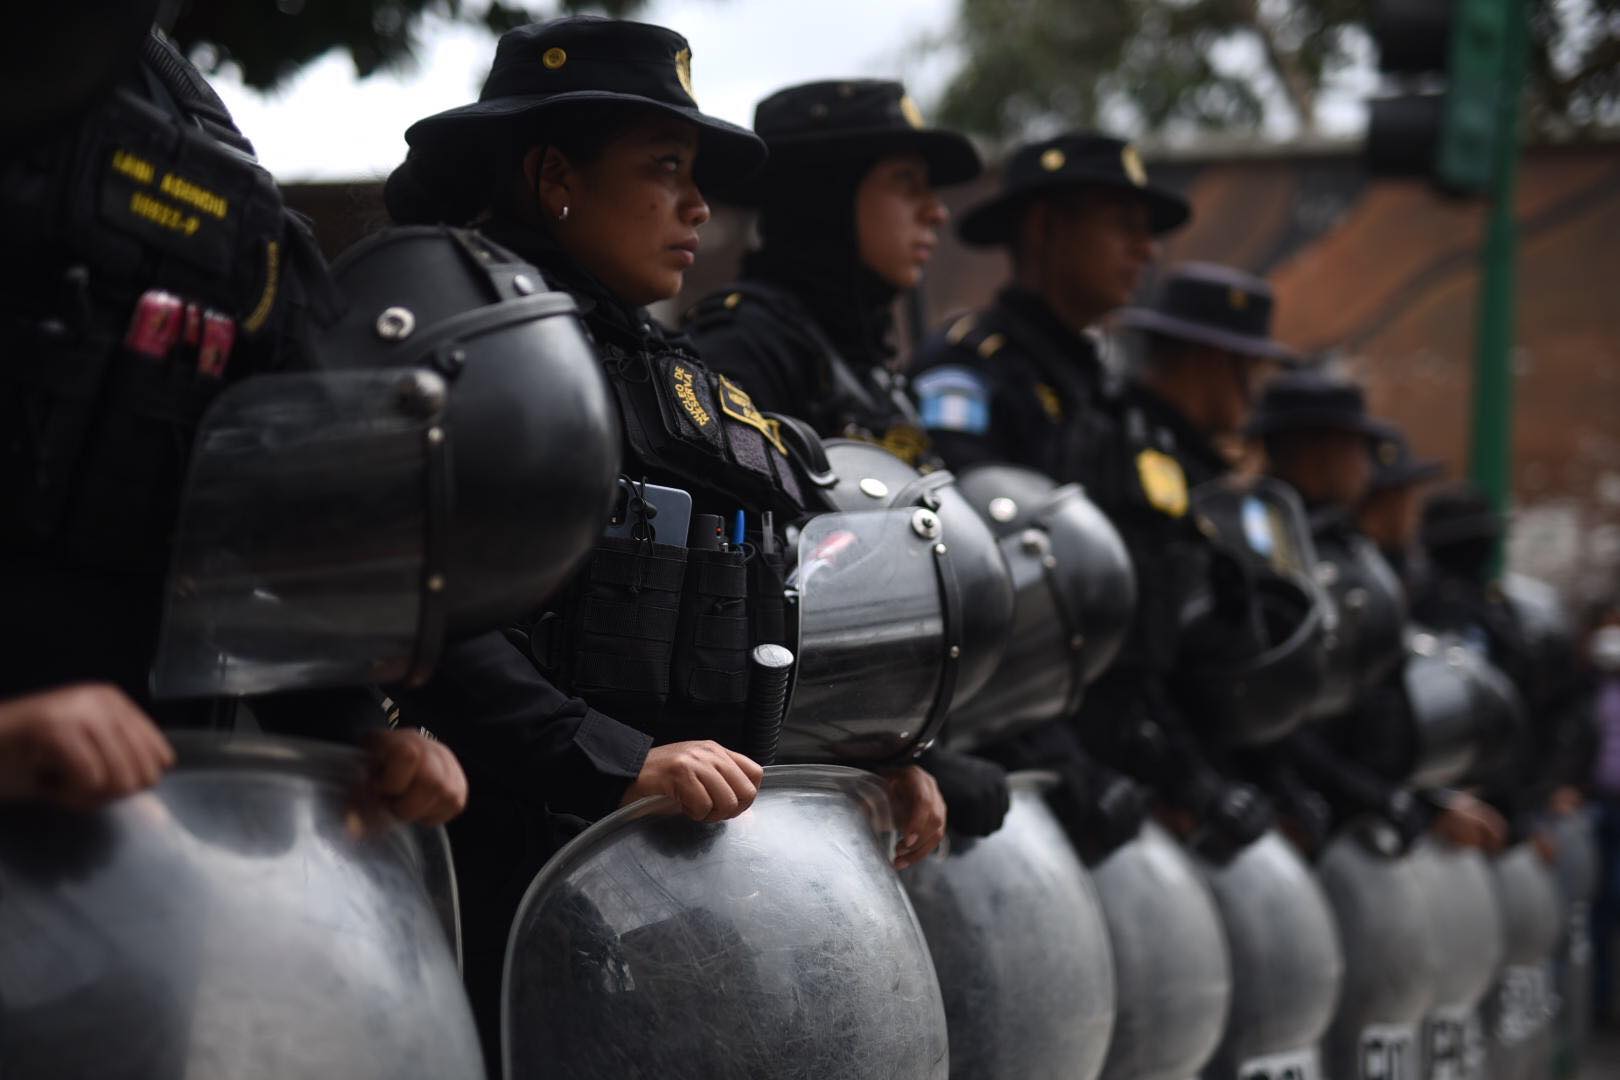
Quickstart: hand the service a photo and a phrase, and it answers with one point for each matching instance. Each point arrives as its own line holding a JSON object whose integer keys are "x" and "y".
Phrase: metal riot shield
{"x": 1172, "y": 972}
{"x": 244, "y": 918}
{"x": 1259, "y": 692}
{"x": 1521, "y": 1006}
{"x": 1074, "y": 596}
{"x": 1465, "y": 932}
{"x": 1577, "y": 870}
{"x": 776, "y": 945}
{"x": 877, "y": 622}
{"x": 1389, "y": 961}
{"x": 1286, "y": 963}
{"x": 1020, "y": 947}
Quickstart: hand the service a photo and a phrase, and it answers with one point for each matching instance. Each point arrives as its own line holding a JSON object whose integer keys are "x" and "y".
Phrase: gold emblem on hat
{"x": 683, "y": 71}
{"x": 1053, "y": 160}
{"x": 1238, "y": 299}
{"x": 909, "y": 110}
{"x": 554, "y": 58}
{"x": 1388, "y": 453}
{"x": 1134, "y": 168}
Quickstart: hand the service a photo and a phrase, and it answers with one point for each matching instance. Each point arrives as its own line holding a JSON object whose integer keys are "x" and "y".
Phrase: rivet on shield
{"x": 874, "y": 487}
{"x": 940, "y": 549}
{"x": 1033, "y": 541}
{"x": 1326, "y": 573}
{"x": 435, "y": 583}
{"x": 1003, "y": 509}
{"x": 925, "y": 523}
{"x": 523, "y": 284}
{"x": 395, "y": 324}
{"x": 1050, "y": 562}
{"x": 435, "y": 435}
{"x": 956, "y": 652}
{"x": 421, "y": 394}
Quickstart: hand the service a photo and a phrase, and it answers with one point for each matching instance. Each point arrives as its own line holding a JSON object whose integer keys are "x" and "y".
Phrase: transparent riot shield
{"x": 1390, "y": 962}
{"x": 244, "y": 918}
{"x": 776, "y": 945}
{"x": 1020, "y": 945}
{"x": 875, "y": 637}
{"x": 300, "y": 552}
{"x": 1286, "y": 963}
{"x": 1172, "y": 972}
{"x": 1465, "y": 933}
{"x": 1260, "y": 519}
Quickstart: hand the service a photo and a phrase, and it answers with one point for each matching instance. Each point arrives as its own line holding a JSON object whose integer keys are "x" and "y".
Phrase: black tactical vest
{"x": 150, "y": 261}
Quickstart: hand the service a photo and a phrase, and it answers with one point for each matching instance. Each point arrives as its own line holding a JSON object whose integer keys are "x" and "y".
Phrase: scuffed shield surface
{"x": 1519, "y": 1011}
{"x": 1286, "y": 961}
{"x": 778, "y": 945}
{"x": 239, "y": 920}
{"x": 1465, "y": 932}
{"x": 1172, "y": 973}
{"x": 1020, "y": 945}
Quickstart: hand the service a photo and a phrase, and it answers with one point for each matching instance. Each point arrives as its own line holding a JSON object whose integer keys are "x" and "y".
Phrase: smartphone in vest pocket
{"x": 651, "y": 512}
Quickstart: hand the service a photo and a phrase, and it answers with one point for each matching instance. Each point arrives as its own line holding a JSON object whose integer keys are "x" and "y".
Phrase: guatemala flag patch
{"x": 953, "y": 398}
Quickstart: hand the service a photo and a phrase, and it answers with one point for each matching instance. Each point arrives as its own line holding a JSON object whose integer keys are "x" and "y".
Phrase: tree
{"x": 1151, "y": 66}
{"x": 272, "y": 39}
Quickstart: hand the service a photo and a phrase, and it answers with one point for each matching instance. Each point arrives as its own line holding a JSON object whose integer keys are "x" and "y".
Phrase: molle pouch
{"x": 767, "y": 585}
{"x": 712, "y": 640}
{"x": 621, "y": 626}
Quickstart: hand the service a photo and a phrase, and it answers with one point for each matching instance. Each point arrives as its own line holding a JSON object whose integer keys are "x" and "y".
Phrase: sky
{"x": 326, "y": 124}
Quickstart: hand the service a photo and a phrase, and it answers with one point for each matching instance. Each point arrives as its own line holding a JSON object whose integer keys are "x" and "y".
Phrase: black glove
{"x": 975, "y": 790}
{"x": 1407, "y": 815}
{"x": 1231, "y": 816}
{"x": 1099, "y": 808}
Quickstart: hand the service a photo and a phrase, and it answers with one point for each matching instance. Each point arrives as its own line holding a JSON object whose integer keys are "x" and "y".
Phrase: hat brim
{"x": 1315, "y": 420}
{"x": 1184, "y": 330}
{"x": 1407, "y": 474}
{"x": 951, "y": 157}
{"x": 727, "y": 154}
{"x": 994, "y": 221}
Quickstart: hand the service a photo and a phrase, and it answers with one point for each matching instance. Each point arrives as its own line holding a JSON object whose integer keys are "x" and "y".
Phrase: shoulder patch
{"x": 991, "y": 345}
{"x": 1163, "y": 482}
{"x": 735, "y": 403}
{"x": 1050, "y": 402}
{"x": 684, "y": 382}
{"x": 952, "y": 398}
{"x": 960, "y": 329}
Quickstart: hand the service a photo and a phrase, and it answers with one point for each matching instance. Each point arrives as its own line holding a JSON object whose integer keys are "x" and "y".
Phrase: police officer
{"x": 586, "y": 154}
{"x": 151, "y": 264}
{"x": 848, "y": 218}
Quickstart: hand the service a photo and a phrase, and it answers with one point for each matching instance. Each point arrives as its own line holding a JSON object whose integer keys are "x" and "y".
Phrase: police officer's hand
{"x": 707, "y": 781}
{"x": 919, "y": 812}
{"x": 1468, "y": 822}
{"x": 417, "y": 778}
{"x": 78, "y": 746}
{"x": 974, "y": 790}
{"x": 1307, "y": 820}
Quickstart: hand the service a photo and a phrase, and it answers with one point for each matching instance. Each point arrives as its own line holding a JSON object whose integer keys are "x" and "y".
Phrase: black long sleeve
{"x": 515, "y": 729}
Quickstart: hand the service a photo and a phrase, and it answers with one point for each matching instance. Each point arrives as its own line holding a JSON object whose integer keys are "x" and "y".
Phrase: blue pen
{"x": 739, "y": 529}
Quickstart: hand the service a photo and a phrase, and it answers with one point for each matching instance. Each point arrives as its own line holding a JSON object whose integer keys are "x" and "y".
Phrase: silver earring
{"x": 564, "y": 215}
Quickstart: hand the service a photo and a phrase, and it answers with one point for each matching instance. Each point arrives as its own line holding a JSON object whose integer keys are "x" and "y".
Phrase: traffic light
{"x": 1453, "y": 71}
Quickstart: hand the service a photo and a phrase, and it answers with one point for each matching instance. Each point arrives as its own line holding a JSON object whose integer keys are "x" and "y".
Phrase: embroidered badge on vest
{"x": 683, "y": 379}
{"x": 735, "y": 403}
{"x": 1050, "y": 402}
{"x": 1162, "y": 481}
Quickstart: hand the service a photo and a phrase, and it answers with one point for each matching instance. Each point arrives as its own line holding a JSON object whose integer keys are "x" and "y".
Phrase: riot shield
{"x": 243, "y": 918}
{"x": 1521, "y": 1006}
{"x": 1577, "y": 870}
{"x": 1074, "y": 594}
{"x": 1389, "y": 960}
{"x": 1270, "y": 671}
{"x": 1369, "y": 634}
{"x": 1465, "y": 931}
{"x": 875, "y": 637}
{"x": 1020, "y": 947}
{"x": 1286, "y": 963}
{"x": 778, "y": 944}
{"x": 1172, "y": 973}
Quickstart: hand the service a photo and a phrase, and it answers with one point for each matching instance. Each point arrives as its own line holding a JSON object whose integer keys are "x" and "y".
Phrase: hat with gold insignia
{"x": 1080, "y": 159}
{"x": 1212, "y": 305}
{"x": 849, "y": 120}
{"x": 1394, "y": 464}
{"x": 545, "y": 67}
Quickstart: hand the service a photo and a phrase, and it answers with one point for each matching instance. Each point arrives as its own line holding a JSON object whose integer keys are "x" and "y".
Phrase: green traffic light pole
{"x": 1491, "y": 452}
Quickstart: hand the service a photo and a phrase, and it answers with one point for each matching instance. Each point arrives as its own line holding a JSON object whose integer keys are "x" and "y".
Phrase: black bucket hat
{"x": 1460, "y": 514}
{"x": 1080, "y": 159}
{"x": 1312, "y": 401}
{"x": 848, "y": 120}
{"x": 586, "y": 59}
{"x": 1394, "y": 464}
{"x": 1213, "y": 305}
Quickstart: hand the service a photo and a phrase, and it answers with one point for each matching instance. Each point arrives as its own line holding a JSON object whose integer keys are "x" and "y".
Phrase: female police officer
{"x": 584, "y": 155}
